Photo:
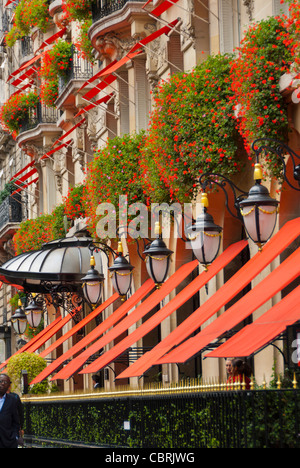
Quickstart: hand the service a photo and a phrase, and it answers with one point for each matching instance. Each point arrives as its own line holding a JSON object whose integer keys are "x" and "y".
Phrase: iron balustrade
{"x": 26, "y": 47}
{"x": 10, "y": 210}
{"x": 39, "y": 115}
{"x": 79, "y": 69}
{"x": 103, "y": 8}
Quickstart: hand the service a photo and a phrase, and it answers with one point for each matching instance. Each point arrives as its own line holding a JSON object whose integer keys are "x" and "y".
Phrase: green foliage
{"x": 191, "y": 131}
{"x": 33, "y": 233}
{"x": 33, "y": 364}
{"x": 201, "y": 420}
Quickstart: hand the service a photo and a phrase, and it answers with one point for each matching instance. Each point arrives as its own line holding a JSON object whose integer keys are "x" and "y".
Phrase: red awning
{"x": 165, "y": 30}
{"x": 189, "y": 291}
{"x": 98, "y": 75}
{"x": 281, "y": 277}
{"x": 23, "y": 170}
{"x": 25, "y": 177}
{"x": 30, "y": 62}
{"x": 264, "y": 330}
{"x": 23, "y": 77}
{"x": 80, "y": 325}
{"x": 104, "y": 326}
{"x": 68, "y": 132}
{"x": 33, "y": 340}
{"x": 152, "y": 301}
{"x": 227, "y": 292}
{"x": 53, "y": 38}
{"x": 100, "y": 87}
{"x": 164, "y": 6}
{"x": 45, "y": 156}
{"x": 25, "y": 186}
{"x": 114, "y": 67}
{"x": 94, "y": 104}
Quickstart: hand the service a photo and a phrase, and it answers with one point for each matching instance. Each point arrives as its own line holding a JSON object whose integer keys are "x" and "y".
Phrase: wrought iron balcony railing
{"x": 80, "y": 69}
{"x": 103, "y": 8}
{"x": 10, "y": 211}
{"x": 39, "y": 115}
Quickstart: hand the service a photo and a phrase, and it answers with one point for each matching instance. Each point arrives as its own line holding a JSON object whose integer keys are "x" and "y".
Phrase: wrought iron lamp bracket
{"x": 208, "y": 180}
{"x": 268, "y": 145}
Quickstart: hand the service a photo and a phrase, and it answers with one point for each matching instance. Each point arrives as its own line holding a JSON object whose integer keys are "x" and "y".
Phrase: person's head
{"x": 4, "y": 384}
{"x": 240, "y": 367}
{"x": 228, "y": 365}
{"x": 96, "y": 378}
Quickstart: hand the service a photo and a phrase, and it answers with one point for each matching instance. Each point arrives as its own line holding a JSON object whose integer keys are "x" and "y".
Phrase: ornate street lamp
{"x": 92, "y": 284}
{"x": 205, "y": 236}
{"x": 257, "y": 210}
{"x": 34, "y": 312}
{"x": 158, "y": 258}
{"x": 121, "y": 273}
{"x": 19, "y": 320}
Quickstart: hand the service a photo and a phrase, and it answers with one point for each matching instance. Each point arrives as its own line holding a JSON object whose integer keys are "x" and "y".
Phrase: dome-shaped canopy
{"x": 63, "y": 261}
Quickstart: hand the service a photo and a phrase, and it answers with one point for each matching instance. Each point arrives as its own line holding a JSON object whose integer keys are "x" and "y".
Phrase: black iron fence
{"x": 181, "y": 418}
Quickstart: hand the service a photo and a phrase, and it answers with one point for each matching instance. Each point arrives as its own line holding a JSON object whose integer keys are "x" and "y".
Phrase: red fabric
{"x": 100, "y": 87}
{"x": 165, "y": 30}
{"x": 69, "y": 132}
{"x": 80, "y": 325}
{"x": 25, "y": 177}
{"x": 53, "y": 38}
{"x": 23, "y": 77}
{"x": 189, "y": 291}
{"x": 55, "y": 149}
{"x": 243, "y": 277}
{"x": 98, "y": 75}
{"x": 104, "y": 326}
{"x": 25, "y": 186}
{"x": 114, "y": 67}
{"x": 23, "y": 170}
{"x": 147, "y": 306}
{"x": 264, "y": 291}
{"x": 263, "y": 330}
{"x": 30, "y": 62}
{"x": 164, "y": 6}
{"x": 94, "y": 104}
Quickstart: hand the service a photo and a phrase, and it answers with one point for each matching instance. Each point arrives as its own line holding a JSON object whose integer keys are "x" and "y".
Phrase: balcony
{"x": 10, "y": 217}
{"x": 39, "y": 123}
{"x": 114, "y": 16}
{"x": 79, "y": 71}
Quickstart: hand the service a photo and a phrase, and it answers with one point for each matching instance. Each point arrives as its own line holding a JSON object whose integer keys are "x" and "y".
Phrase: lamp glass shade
{"x": 260, "y": 222}
{"x": 158, "y": 267}
{"x": 205, "y": 237}
{"x": 121, "y": 281}
{"x": 206, "y": 245}
{"x": 34, "y": 317}
{"x": 259, "y": 213}
{"x": 92, "y": 291}
{"x": 19, "y": 322}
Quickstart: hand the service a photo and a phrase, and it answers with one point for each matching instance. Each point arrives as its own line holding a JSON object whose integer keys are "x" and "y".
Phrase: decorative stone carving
{"x": 249, "y": 4}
